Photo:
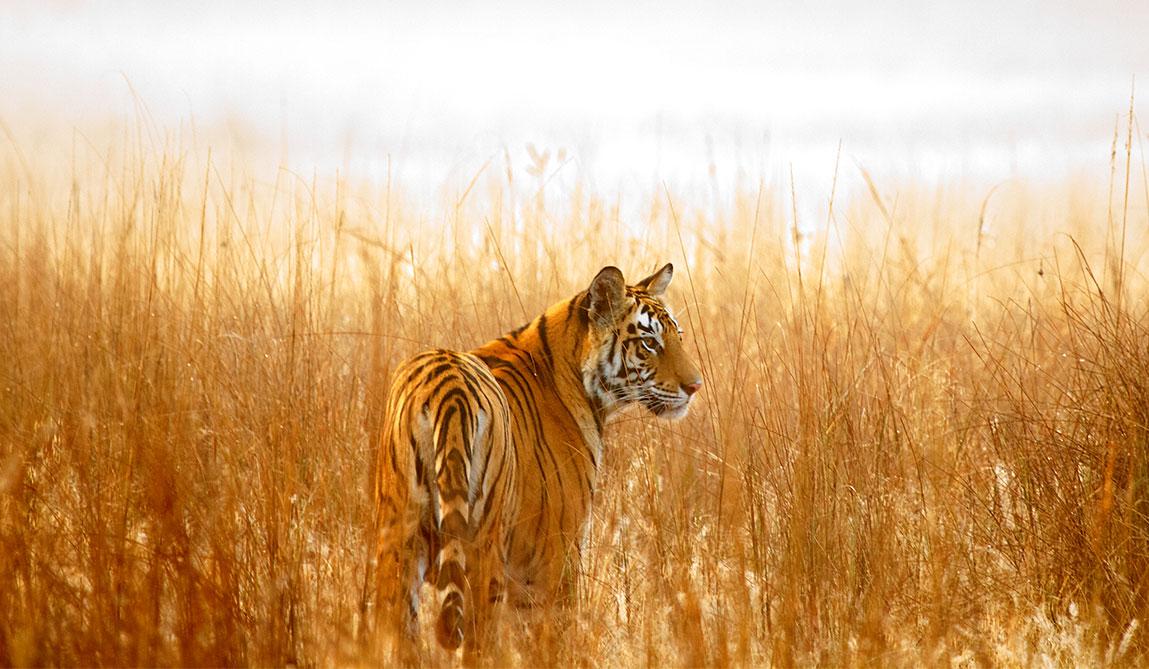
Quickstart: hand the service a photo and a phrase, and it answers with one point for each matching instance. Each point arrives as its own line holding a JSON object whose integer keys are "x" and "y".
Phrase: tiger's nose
{"x": 691, "y": 388}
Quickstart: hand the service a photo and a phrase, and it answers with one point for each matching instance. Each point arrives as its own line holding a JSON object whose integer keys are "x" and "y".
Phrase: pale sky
{"x": 659, "y": 87}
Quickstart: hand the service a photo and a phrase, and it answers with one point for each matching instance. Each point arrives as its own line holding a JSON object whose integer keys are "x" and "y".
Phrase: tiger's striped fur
{"x": 489, "y": 460}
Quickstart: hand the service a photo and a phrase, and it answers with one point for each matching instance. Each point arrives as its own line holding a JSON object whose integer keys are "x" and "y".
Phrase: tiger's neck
{"x": 547, "y": 353}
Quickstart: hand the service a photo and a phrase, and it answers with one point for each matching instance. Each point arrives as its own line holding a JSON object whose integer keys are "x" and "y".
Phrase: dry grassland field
{"x": 911, "y": 260}
{"x": 922, "y": 438}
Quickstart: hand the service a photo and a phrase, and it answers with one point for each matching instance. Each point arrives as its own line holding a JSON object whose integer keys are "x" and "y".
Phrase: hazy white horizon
{"x": 979, "y": 89}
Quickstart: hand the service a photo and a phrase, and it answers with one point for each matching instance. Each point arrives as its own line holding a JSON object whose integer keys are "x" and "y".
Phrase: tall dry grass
{"x": 922, "y": 439}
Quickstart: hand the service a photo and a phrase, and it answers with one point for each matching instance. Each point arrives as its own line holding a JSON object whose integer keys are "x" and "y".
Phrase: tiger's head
{"x": 635, "y": 349}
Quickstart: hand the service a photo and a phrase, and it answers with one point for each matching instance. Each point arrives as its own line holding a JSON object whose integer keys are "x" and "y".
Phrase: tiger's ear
{"x": 606, "y": 295}
{"x": 656, "y": 283}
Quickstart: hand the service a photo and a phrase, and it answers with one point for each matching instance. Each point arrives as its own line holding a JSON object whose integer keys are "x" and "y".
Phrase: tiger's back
{"x": 558, "y": 444}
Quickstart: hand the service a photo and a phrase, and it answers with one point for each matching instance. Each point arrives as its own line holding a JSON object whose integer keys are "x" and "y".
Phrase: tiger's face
{"x": 636, "y": 352}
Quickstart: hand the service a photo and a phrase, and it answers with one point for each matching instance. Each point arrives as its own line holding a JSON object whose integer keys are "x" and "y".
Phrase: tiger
{"x": 490, "y": 458}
